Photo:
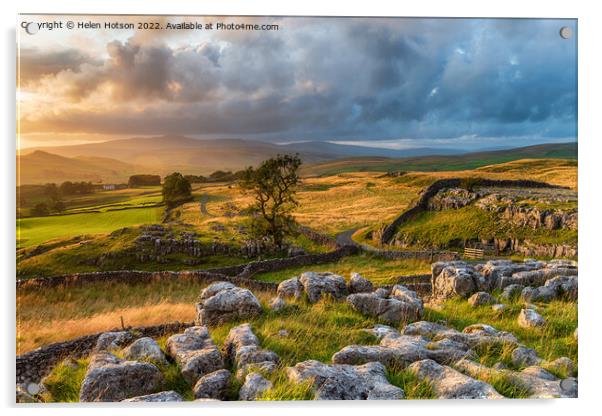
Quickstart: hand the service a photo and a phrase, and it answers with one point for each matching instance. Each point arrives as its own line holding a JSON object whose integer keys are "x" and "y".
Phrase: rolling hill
{"x": 443, "y": 162}
{"x": 115, "y": 160}
{"x": 43, "y": 167}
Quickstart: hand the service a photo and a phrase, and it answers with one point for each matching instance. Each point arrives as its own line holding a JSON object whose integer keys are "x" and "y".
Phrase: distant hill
{"x": 444, "y": 162}
{"x": 42, "y": 167}
{"x": 165, "y": 154}
{"x": 115, "y": 160}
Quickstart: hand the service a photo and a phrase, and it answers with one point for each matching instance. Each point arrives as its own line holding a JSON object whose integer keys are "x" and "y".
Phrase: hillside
{"x": 444, "y": 162}
{"x": 43, "y": 167}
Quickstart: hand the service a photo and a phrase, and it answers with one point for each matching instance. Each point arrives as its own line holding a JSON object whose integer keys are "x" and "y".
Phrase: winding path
{"x": 203, "y": 204}
{"x": 344, "y": 238}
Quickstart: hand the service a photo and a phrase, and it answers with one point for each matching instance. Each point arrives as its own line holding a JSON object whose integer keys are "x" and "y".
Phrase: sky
{"x": 385, "y": 82}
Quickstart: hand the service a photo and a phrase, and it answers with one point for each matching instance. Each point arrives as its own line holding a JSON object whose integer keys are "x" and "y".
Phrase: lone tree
{"x": 144, "y": 180}
{"x": 176, "y": 190}
{"x": 273, "y": 185}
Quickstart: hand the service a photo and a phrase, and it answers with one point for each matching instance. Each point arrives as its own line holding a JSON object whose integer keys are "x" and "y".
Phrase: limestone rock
{"x": 523, "y": 356}
{"x": 480, "y": 299}
{"x": 451, "y": 384}
{"x": 528, "y": 318}
{"x": 317, "y": 284}
{"x": 164, "y": 396}
{"x": 422, "y": 340}
{"x": 391, "y": 310}
{"x": 346, "y": 382}
{"x": 511, "y": 291}
{"x": 290, "y": 288}
{"x": 213, "y": 385}
{"x": 254, "y": 386}
{"x": 453, "y": 279}
{"x": 110, "y": 379}
{"x": 277, "y": 303}
{"x": 222, "y": 302}
{"x": 242, "y": 349}
{"x": 357, "y": 284}
{"x": 498, "y": 307}
{"x": 381, "y": 331}
{"x": 110, "y": 341}
{"x": 145, "y": 349}
{"x": 195, "y": 353}
{"x": 562, "y": 365}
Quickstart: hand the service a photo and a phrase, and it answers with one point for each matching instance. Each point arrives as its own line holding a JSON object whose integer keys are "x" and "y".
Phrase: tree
{"x": 144, "y": 180}
{"x": 176, "y": 190}
{"x": 52, "y": 191}
{"x": 40, "y": 210}
{"x": 59, "y": 206}
{"x": 273, "y": 185}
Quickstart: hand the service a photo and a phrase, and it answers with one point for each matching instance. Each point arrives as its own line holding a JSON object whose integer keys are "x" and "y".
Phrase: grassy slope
{"x": 314, "y": 331}
{"x": 381, "y": 271}
{"x": 443, "y": 163}
{"x": 452, "y": 227}
{"x": 36, "y": 230}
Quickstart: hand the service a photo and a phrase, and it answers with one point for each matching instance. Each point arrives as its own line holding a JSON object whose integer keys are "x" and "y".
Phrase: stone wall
{"x": 239, "y": 275}
{"x": 422, "y": 203}
{"x": 132, "y": 276}
{"x": 273, "y": 265}
{"x": 35, "y": 365}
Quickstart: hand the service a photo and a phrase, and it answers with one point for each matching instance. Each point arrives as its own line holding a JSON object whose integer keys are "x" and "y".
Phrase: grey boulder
{"x": 145, "y": 349}
{"x": 358, "y": 284}
{"x": 110, "y": 379}
{"x": 254, "y": 386}
{"x": 195, "y": 353}
{"x": 528, "y": 318}
{"x": 164, "y": 396}
{"x": 213, "y": 385}
{"x": 318, "y": 284}
{"x": 480, "y": 299}
{"x": 345, "y": 382}
{"x": 448, "y": 383}
{"x": 222, "y": 302}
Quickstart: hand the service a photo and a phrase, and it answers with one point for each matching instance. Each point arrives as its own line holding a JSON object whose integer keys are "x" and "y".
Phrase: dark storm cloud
{"x": 340, "y": 78}
{"x": 35, "y": 63}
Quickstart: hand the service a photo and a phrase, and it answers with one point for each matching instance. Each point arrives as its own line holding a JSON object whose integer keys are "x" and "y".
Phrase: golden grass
{"x": 36, "y": 332}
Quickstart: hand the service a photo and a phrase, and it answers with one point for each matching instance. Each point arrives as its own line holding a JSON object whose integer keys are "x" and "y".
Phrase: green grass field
{"x": 37, "y": 230}
{"x": 450, "y": 228}
{"x": 315, "y": 331}
{"x": 380, "y": 271}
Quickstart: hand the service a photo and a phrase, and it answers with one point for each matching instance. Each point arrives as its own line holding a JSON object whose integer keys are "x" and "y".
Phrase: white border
{"x": 590, "y": 135}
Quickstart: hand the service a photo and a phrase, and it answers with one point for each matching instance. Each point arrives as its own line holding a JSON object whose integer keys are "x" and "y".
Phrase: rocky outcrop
{"x": 462, "y": 279}
{"x": 213, "y": 385}
{"x": 195, "y": 353}
{"x": 318, "y": 284}
{"x": 164, "y": 396}
{"x": 425, "y": 340}
{"x": 110, "y": 341}
{"x": 357, "y": 284}
{"x": 243, "y": 350}
{"x": 540, "y": 383}
{"x": 290, "y": 288}
{"x": 398, "y": 305}
{"x": 448, "y": 383}
{"x": 254, "y": 386}
{"x": 222, "y": 302}
{"x": 561, "y": 287}
{"x": 480, "y": 299}
{"x": 145, "y": 348}
{"x": 451, "y": 198}
{"x": 531, "y": 216}
{"x": 345, "y": 382}
{"x": 528, "y": 318}
{"x": 111, "y": 379}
